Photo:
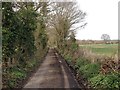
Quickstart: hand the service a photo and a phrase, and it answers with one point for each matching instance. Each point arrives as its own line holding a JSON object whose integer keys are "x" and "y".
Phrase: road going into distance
{"x": 52, "y": 73}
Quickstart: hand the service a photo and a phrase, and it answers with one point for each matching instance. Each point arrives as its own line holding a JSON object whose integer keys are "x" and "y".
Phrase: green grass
{"x": 103, "y": 49}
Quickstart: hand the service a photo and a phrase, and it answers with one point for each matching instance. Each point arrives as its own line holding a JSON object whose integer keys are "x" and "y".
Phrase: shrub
{"x": 74, "y": 46}
{"x": 105, "y": 81}
{"x": 90, "y": 70}
{"x": 80, "y": 62}
{"x": 95, "y": 81}
{"x": 18, "y": 74}
{"x": 31, "y": 64}
{"x": 11, "y": 83}
{"x": 15, "y": 74}
{"x": 68, "y": 58}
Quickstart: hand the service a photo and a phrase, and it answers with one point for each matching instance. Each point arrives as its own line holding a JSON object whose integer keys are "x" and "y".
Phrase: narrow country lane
{"x": 53, "y": 73}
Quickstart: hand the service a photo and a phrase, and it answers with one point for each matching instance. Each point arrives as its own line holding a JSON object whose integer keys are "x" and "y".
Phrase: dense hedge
{"x": 21, "y": 49}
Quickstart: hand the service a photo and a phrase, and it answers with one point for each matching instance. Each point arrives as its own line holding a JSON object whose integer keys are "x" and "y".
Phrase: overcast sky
{"x": 102, "y": 18}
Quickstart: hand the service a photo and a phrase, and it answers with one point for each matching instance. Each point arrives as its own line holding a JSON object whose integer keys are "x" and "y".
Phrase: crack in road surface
{"x": 52, "y": 73}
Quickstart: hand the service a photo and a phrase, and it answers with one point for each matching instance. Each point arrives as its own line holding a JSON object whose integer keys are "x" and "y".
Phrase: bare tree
{"x": 106, "y": 38}
{"x": 63, "y": 18}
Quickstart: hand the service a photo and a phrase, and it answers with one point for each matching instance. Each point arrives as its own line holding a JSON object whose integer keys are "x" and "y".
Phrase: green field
{"x": 103, "y": 49}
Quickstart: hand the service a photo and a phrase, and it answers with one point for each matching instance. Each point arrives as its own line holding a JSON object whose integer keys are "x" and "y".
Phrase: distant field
{"x": 103, "y": 49}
